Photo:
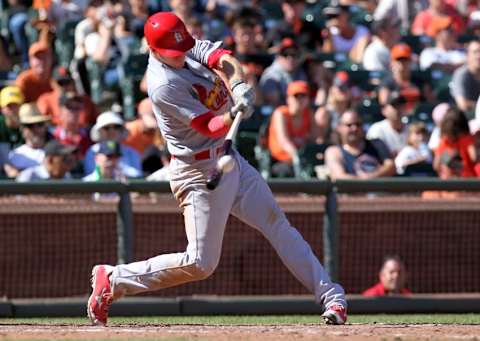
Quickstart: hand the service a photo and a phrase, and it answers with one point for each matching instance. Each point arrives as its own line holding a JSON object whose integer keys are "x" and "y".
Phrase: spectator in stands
{"x": 339, "y": 100}
{"x": 63, "y": 83}
{"x": 107, "y": 162}
{"x": 284, "y": 70}
{"x": 59, "y": 160}
{"x": 438, "y": 114}
{"x": 36, "y": 80}
{"x": 356, "y": 157}
{"x": 416, "y": 152}
{"x": 69, "y": 131}
{"x": 445, "y": 55}
{"x": 465, "y": 86}
{"x": 142, "y": 131}
{"x": 377, "y": 54}
{"x": 34, "y": 128}
{"x": 400, "y": 79}
{"x": 319, "y": 78}
{"x": 290, "y": 128}
{"x": 456, "y": 143}
{"x": 306, "y": 32}
{"x": 61, "y": 12}
{"x": 93, "y": 15}
{"x": 437, "y": 9}
{"x": 7, "y": 60}
{"x": 162, "y": 173}
{"x": 17, "y": 21}
{"x": 341, "y": 35}
{"x": 138, "y": 9}
{"x": 110, "y": 43}
{"x": 393, "y": 276}
{"x": 405, "y": 10}
{"x": 110, "y": 126}
{"x": 392, "y": 130}
{"x": 10, "y": 135}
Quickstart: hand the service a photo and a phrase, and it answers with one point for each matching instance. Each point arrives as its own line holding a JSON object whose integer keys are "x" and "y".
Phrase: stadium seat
{"x": 65, "y": 42}
{"x": 95, "y": 76}
{"x": 370, "y": 111}
{"x": 420, "y": 169}
{"x": 417, "y": 43}
{"x": 132, "y": 71}
{"x": 310, "y": 156}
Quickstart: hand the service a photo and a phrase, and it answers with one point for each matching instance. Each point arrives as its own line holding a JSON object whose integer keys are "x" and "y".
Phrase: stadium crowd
{"x": 345, "y": 89}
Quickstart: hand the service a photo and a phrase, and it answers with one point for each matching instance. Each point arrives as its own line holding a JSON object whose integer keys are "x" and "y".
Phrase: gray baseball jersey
{"x": 178, "y": 96}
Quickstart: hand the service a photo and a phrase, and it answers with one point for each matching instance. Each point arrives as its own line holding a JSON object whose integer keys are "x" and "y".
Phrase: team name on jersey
{"x": 213, "y": 99}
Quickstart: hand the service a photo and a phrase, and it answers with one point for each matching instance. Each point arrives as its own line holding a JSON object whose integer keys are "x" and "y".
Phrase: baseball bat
{"x": 216, "y": 175}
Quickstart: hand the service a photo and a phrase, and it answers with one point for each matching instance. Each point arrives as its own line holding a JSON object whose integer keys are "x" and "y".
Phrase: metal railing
{"x": 331, "y": 229}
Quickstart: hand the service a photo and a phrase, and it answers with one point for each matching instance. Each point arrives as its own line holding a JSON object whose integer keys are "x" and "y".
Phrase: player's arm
{"x": 334, "y": 163}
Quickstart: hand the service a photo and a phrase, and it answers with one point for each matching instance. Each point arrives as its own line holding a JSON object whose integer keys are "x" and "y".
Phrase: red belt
{"x": 203, "y": 155}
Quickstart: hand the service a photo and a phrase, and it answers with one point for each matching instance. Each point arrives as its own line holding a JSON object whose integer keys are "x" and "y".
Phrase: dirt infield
{"x": 355, "y": 332}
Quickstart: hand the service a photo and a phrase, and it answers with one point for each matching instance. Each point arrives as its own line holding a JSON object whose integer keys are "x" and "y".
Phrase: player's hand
{"x": 243, "y": 92}
{"x": 243, "y": 107}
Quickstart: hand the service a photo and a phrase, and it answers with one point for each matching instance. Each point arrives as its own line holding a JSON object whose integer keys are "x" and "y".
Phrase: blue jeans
{"x": 17, "y": 27}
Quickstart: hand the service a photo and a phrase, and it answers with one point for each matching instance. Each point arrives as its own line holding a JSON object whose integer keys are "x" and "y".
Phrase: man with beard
{"x": 357, "y": 157}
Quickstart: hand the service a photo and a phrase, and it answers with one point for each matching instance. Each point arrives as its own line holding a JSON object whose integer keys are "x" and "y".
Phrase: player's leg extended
{"x": 205, "y": 213}
{"x": 256, "y": 206}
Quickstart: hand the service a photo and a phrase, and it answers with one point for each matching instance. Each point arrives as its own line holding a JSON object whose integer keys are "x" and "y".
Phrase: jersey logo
{"x": 213, "y": 99}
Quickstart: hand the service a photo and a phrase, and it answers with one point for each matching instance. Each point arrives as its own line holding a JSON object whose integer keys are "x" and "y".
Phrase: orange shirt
{"x": 461, "y": 147}
{"x": 49, "y": 104}
{"x": 424, "y": 19}
{"x": 32, "y": 87}
{"x": 137, "y": 138}
{"x": 298, "y": 135}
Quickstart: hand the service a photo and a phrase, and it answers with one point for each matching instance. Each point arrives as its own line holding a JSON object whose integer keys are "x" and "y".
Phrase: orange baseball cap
{"x": 438, "y": 24}
{"x": 297, "y": 87}
{"x": 401, "y": 51}
{"x": 38, "y": 47}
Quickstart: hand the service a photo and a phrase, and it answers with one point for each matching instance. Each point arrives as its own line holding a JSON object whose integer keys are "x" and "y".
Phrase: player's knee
{"x": 203, "y": 269}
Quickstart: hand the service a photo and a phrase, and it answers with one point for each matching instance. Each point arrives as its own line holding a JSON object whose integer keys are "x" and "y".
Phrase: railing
{"x": 331, "y": 230}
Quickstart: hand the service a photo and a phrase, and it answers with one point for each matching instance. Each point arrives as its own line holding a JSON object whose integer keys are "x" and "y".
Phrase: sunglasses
{"x": 300, "y": 96}
{"x": 112, "y": 127}
{"x": 353, "y": 124}
{"x": 34, "y": 125}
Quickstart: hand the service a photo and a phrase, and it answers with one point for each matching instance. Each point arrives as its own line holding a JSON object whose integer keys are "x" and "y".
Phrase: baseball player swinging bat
{"x": 226, "y": 162}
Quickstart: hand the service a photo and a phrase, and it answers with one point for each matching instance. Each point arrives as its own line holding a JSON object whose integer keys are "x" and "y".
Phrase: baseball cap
{"x": 54, "y": 147}
{"x": 287, "y": 44}
{"x": 341, "y": 79}
{"x": 38, "y": 47}
{"x": 109, "y": 148}
{"x": 62, "y": 75}
{"x": 438, "y": 24}
{"x": 401, "y": 51}
{"x": 105, "y": 119}
{"x": 167, "y": 35}
{"x": 29, "y": 114}
{"x": 297, "y": 87}
{"x": 71, "y": 100}
{"x": 11, "y": 94}
{"x": 396, "y": 98}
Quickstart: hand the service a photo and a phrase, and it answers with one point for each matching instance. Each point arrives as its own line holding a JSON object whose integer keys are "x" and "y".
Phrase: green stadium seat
{"x": 132, "y": 72}
{"x": 310, "y": 156}
{"x": 370, "y": 111}
{"x": 417, "y": 43}
{"x": 65, "y": 42}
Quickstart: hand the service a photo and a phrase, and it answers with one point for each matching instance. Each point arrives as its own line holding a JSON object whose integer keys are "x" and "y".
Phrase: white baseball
{"x": 226, "y": 163}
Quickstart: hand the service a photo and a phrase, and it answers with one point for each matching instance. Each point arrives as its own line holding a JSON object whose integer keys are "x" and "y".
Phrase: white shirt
{"x": 345, "y": 45}
{"x": 383, "y": 130}
{"x": 376, "y": 56}
{"x": 432, "y": 55}
{"x": 409, "y": 153}
{"x": 36, "y": 173}
{"x": 25, "y": 156}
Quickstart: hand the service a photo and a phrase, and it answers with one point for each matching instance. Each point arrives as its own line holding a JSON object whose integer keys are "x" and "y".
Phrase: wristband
{"x": 235, "y": 83}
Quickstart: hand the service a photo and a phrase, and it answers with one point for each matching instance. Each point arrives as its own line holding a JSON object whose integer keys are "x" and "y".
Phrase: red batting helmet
{"x": 166, "y": 34}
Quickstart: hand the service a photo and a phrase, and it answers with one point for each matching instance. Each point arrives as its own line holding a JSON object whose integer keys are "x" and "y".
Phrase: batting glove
{"x": 243, "y": 107}
{"x": 243, "y": 92}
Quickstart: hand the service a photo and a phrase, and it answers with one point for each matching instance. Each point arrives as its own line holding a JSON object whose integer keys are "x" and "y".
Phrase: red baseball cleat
{"x": 101, "y": 297}
{"x": 335, "y": 314}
